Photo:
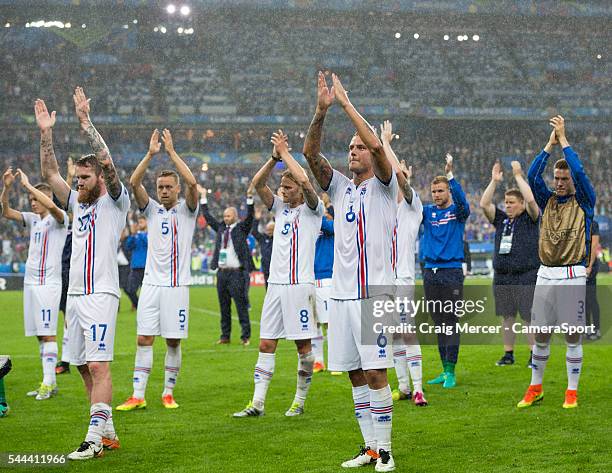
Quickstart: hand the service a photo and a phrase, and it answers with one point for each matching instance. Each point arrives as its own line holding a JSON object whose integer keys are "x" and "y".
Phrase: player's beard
{"x": 89, "y": 196}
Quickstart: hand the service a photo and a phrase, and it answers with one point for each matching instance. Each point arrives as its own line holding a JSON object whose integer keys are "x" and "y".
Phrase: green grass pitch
{"x": 473, "y": 428}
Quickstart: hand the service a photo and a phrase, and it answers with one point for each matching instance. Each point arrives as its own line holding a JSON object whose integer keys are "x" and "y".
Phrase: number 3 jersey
{"x": 96, "y": 229}
{"x": 295, "y": 235}
{"x": 170, "y": 232}
{"x": 363, "y": 225}
{"x": 47, "y": 238}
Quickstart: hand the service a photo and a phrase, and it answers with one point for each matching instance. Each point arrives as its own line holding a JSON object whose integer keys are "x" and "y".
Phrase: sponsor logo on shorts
{"x": 382, "y": 353}
{"x": 102, "y": 346}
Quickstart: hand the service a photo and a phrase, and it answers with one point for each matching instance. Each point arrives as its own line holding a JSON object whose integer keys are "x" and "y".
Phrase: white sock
{"x": 49, "y": 360}
{"x": 142, "y": 370}
{"x": 361, "y": 398}
{"x": 317, "y": 346}
{"x": 414, "y": 359}
{"x": 109, "y": 428}
{"x": 573, "y": 361}
{"x": 401, "y": 368}
{"x": 171, "y": 371}
{"x": 99, "y": 414}
{"x": 304, "y": 377}
{"x": 541, "y": 352}
{"x": 65, "y": 347}
{"x": 264, "y": 369}
{"x": 381, "y": 405}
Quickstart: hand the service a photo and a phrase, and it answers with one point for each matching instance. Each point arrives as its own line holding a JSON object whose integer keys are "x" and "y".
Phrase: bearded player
{"x": 99, "y": 207}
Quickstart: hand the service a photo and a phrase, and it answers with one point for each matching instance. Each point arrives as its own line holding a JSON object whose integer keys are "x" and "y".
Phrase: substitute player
{"x": 442, "y": 250}
{"x": 565, "y": 233}
{"x": 42, "y": 283}
{"x": 287, "y": 311}
{"x": 365, "y": 209}
{"x": 99, "y": 207}
{"x": 515, "y": 259}
{"x": 407, "y": 356}
{"x": 163, "y": 307}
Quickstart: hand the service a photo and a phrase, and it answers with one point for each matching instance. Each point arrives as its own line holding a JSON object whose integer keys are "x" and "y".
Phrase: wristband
{"x": 449, "y": 175}
{"x": 250, "y": 200}
{"x": 278, "y": 160}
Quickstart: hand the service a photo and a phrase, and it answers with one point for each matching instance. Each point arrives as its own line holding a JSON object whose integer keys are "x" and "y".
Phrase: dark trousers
{"x": 133, "y": 284}
{"x": 445, "y": 284}
{"x": 231, "y": 285}
{"x": 592, "y": 306}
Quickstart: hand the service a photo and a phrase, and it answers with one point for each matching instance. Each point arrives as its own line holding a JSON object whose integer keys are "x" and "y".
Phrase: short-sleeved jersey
{"x": 363, "y": 225}
{"x": 293, "y": 247}
{"x": 169, "y": 247}
{"x": 405, "y": 235}
{"x": 96, "y": 229}
{"x": 47, "y": 237}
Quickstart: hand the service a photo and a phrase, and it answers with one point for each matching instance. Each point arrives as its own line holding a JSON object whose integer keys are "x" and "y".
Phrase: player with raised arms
{"x": 407, "y": 357}
{"x": 287, "y": 310}
{"x": 42, "y": 284}
{"x": 565, "y": 234}
{"x": 99, "y": 207}
{"x": 163, "y": 306}
{"x": 365, "y": 208}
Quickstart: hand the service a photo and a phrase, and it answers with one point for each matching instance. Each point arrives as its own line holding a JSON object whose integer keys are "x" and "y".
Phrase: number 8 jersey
{"x": 170, "y": 232}
{"x": 293, "y": 247}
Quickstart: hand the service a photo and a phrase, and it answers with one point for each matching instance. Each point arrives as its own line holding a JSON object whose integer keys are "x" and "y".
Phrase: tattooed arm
{"x": 319, "y": 165}
{"x": 48, "y": 163}
{"x": 111, "y": 179}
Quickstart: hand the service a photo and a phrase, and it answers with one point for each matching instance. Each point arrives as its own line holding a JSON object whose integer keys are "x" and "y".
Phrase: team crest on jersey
{"x": 286, "y": 212}
{"x": 160, "y": 211}
{"x": 382, "y": 353}
{"x": 363, "y": 190}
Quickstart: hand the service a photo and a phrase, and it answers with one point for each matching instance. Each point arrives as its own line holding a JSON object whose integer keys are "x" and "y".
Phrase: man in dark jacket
{"x": 233, "y": 259}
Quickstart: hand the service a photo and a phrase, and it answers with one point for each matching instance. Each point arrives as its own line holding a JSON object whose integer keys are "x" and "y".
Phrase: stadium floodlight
{"x": 476, "y": 37}
{"x": 7, "y": 25}
{"x": 185, "y": 10}
{"x": 171, "y": 9}
{"x": 67, "y": 25}
{"x": 398, "y": 35}
{"x": 83, "y": 25}
{"x": 189, "y": 31}
{"x": 460, "y": 37}
{"x": 125, "y": 27}
{"x": 599, "y": 56}
{"x": 162, "y": 29}
{"x": 156, "y": 29}
{"x": 446, "y": 37}
{"x": 180, "y": 30}
{"x": 416, "y": 35}
{"x": 135, "y": 22}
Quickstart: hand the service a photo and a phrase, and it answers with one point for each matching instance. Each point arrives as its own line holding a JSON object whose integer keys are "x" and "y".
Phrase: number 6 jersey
{"x": 170, "y": 232}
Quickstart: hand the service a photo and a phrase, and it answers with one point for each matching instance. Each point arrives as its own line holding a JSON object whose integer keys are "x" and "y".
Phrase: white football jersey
{"x": 47, "y": 238}
{"x": 293, "y": 247}
{"x": 363, "y": 225}
{"x": 405, "y": 235}
{"x": 170, "y": 233}
{"x": 96, "y": 229}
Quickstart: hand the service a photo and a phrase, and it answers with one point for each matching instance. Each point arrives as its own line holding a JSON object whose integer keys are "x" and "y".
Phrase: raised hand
{"x": 325, "y": 96}
{"x": 167, "y": 139}
{"x": 552, "y": 140}
{"x": 258, "y": 213}
{"x": 81, "y": 105}
{"x": 407, "y": 170}
{"x": 202, "y": 190}
{"x": 558, "y": 123}
{"x": 279, "y": 140}
{"x": 154, "y": 143}
{"x": 25, "y": 182}
{"x": 339, "y": 92}
{"x": 8, "y": 177}
{"x": 386, "y": 132}
{"x": 43, "y": 119}
{"x": 517, "y": 170}
{"x": 449, "y": 163}
{"x": 70, "y": 167}
{"x": 497, "y": 174}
